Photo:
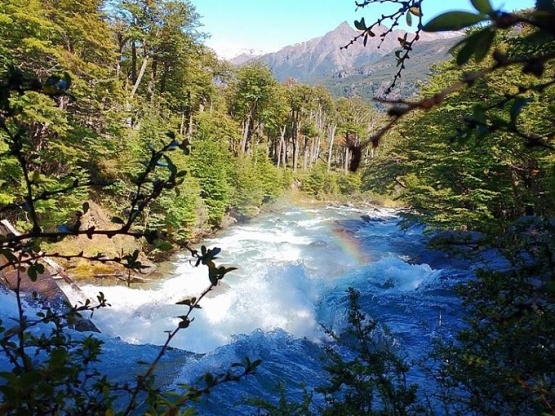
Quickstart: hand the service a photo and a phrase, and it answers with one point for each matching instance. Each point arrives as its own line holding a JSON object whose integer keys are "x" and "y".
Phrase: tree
{"x": 52, "y": 372}
{"x": 251, "y": 92}
{"x": 484, "y": 176}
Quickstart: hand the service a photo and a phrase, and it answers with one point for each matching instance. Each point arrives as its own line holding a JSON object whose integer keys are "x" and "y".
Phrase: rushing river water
{"x": 294, "y": 267}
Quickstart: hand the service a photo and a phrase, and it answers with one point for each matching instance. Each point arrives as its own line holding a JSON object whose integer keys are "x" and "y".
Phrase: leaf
{"x": 483, "y": 6}
{"x": 453, "y": 21}
{"x": 170, "y": 165}
{"x": 34, "y": 270}
{"x": 86, "y": 207}
{"x": 484, "y": 44}
{"x": 415, "y": 11}
{"x": 409, "y": 19}
{"x": 360, "y": 25}
{"x": 213, "y": 276}
{"x": 117, "y": 220}
{"x": 10, "y": 256}
{"x": 184, "y": 323}
{"x": 477, "y": 44}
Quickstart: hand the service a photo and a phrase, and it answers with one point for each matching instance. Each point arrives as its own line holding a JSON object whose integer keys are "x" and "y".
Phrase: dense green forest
{"x": 119, "y": 104}
{"x": 138, "y": 69}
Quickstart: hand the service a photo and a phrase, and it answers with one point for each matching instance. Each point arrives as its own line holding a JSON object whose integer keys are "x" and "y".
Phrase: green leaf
{"x": 409, "y": 19}
{"x": 453, "y": 21}
{"x": 117, "y": 220}
{"x": 483, "y": 6}
{"x": 477, "y": 44}
{"x": 34, "y": 270}
{"x": 213, "y": 275}
{"x": 360, "y": 25}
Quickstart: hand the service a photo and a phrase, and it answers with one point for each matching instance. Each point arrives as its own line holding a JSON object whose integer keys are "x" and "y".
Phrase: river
{"x": 294, "y": 267}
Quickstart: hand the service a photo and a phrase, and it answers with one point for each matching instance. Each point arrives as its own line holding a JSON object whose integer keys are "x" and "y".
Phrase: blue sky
{"x": 268, "y": 25}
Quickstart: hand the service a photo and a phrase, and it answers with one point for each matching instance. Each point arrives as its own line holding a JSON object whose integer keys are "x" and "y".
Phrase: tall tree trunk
{"x": 152, "y": 79}
{"x": 314, "y": 150}
{"x": 330, "y": 150}
{"x": 296, "y": 134}
{"x": 139, "y": 77}
{"x": 284, "y": 150}
{"x": 305, "y": 153}
{"x": 281, "y": 146}
{"x": 246, "y": 133}
{"x": 133, "y": 62}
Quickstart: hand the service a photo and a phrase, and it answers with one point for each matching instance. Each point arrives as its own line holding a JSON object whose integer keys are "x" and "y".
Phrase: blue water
{"x": 295, "y": 265}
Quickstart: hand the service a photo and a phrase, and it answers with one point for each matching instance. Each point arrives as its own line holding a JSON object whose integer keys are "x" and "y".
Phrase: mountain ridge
{"x": 326, "y": 56}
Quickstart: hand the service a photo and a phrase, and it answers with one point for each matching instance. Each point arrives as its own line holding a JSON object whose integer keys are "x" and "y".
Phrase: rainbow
{"x": 350, "y": 246}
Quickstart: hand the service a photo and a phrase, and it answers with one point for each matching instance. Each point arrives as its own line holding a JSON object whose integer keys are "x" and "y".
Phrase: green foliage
{"x": 502, "y": 362}
{"x": 366, "y": 374}
{"x": 319, "y": 183}
{"x": 179, "y": 211}
{"x": 283, "y": 407}
{"x": 373, "y": 381}
{"x": 480, "y": 177}
{"x": 255, "y": 181}
{"x": 51, "y": 372}
{"x": 210, "y": 163}
{"x": 349, "y": 184}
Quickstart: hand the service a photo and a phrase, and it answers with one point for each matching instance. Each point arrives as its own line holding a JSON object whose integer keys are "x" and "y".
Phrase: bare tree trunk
{"x": 245, "y": 136}
{"x": 182, "y": 124}
{"x": 133, "y": 62}
{"x": 305, "y": 153}
{"x": 297, "y": 133}
{"x": 139, "y": 77}
{"x": 284, "y": 157}
{"x": 314, "y": 150}
{"x": 280, "y": 148}
{"x": 330, "y": 150}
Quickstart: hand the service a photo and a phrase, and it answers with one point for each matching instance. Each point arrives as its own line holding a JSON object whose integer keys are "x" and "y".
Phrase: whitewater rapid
{"x": 294, "y": 267}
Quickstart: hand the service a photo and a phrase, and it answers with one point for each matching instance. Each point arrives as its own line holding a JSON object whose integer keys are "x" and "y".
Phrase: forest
{"x": 139, "y": 70}
{"x": 119, "y": 105}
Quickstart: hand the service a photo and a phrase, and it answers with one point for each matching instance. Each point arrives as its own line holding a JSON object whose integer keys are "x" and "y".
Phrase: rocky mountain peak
{"x": 325, "y": 56}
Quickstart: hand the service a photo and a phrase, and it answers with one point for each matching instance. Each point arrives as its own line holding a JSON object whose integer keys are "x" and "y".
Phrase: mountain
{"x": 325, "y": 56}
{"x": 245, "y": 56}
{"x": 372, "y": 79}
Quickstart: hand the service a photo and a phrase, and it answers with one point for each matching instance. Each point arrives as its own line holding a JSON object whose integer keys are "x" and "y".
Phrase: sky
{"x": 237, "y": 26}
